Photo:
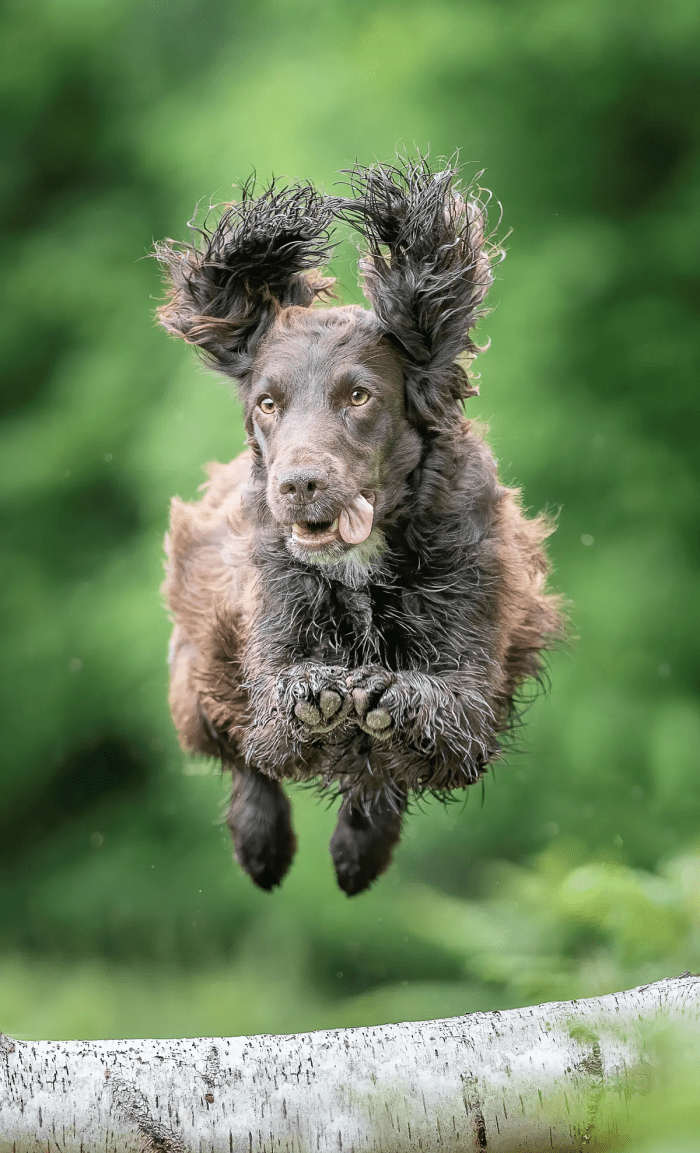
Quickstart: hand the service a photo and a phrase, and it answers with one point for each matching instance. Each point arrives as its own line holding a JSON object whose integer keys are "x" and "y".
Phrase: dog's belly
{"x": 361, "y": 769}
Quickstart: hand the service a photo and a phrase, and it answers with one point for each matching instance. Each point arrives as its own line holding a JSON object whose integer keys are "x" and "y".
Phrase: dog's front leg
{"x": 446, "y": 715}
{"x": 314, "y": 695}
{"x": 295, "y": 707}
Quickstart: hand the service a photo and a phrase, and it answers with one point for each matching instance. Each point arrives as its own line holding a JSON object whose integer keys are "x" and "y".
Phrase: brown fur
{"x": 377, "y": 673}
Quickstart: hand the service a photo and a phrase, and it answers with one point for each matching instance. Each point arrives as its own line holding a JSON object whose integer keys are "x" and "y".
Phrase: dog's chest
{"x": 366, "y": 625}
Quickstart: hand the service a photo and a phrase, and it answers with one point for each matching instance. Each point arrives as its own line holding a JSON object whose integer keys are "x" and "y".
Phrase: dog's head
{"x": 327, "y": 419}
{"x": 340, "y": 402}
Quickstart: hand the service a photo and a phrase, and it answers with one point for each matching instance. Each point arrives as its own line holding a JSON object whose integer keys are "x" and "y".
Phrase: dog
{"x": 357, "y": 600}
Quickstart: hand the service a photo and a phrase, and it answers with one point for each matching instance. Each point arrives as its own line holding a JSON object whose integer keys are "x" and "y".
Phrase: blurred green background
{"x": 120, "y": 911}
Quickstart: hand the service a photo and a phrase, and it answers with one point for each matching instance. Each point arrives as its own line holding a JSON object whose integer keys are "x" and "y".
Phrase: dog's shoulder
{"x": 220, "y": 508}
{"x": 225, "y": 480}
{"x": 208, "y": 544}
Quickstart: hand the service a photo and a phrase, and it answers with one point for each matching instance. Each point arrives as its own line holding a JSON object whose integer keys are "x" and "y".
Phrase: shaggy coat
{"x": 356, "y": 598}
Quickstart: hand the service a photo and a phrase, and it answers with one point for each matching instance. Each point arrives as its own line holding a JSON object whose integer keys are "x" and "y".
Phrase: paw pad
{"x": 329, "y": 703}
{"x": 378, "y": 720}
{"x": 307, "y": 713}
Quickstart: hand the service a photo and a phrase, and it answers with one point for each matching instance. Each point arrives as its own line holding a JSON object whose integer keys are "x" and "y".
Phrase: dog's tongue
{"x": 355, "y": 521}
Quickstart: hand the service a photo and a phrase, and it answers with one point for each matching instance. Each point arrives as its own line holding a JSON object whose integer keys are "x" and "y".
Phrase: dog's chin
{"x": 351, "y": 564}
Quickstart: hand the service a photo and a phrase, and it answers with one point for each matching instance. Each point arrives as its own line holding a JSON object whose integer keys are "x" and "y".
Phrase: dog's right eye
{"x": 267, "y": 404}
{"x": 359, "y": 396}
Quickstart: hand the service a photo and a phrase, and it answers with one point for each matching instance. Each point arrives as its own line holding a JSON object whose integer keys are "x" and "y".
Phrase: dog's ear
{"x": 264, "y": 254}
{"x": 426, "y": 272}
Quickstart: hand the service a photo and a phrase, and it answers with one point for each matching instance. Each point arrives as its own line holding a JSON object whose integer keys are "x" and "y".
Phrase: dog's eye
{"x": 359, "y": 396}
{"x": 267, "y": 404}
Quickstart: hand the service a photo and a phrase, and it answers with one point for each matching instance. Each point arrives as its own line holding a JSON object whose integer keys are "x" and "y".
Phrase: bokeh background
{"x": 577, "y": 871}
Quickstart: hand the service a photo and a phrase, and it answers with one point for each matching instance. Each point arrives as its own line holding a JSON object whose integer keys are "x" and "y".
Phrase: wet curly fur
{"x": 383, "y": 668}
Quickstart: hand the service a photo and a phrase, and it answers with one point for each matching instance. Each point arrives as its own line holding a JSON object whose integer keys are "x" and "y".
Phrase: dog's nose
{"x": 302, "y": 482}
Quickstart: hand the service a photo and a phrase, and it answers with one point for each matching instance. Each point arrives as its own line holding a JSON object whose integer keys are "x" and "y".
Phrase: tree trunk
{"x": 555, "y": 1076}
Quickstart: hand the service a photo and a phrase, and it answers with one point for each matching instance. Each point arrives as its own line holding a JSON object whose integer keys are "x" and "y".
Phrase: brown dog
{"x": 356, "y": 598}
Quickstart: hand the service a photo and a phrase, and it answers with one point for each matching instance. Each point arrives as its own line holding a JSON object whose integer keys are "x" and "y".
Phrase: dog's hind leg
{"x": 260, "y": 820}
{"x": 364, "y": 839}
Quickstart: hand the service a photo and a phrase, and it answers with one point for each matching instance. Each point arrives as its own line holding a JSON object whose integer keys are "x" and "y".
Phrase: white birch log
{"x": 556, "y": 1076}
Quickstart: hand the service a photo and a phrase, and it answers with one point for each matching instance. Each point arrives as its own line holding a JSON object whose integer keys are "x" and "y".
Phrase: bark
{"x": 555, "y": 1076}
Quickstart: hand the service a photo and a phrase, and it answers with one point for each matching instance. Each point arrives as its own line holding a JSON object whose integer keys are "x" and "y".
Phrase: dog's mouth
{"x": 352, "y": 526}
{"x": 315, "y": 534}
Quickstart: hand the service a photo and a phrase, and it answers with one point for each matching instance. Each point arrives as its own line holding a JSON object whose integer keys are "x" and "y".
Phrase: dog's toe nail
{"x": 307, "y": 713}
{"x": 361, "y": 701}
{"x": 329, "y": 702}
{"x": 378, "y": 719}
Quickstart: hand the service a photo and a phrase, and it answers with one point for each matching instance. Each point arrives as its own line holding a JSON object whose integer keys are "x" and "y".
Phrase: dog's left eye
{"x": 359, "y": 396}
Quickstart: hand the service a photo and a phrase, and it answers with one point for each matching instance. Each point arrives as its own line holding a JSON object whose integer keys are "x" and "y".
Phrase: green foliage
{"x": 667, "y": 1119}
{"x": 553, "y": 931}
{"x": 120, "y": 911}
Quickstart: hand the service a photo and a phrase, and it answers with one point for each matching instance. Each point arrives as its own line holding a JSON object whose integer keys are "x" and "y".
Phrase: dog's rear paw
{"x": 266, "y": 860}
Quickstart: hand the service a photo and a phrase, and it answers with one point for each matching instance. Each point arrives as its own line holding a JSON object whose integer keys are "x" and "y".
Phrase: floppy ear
{"x": 225, "y": 288}
{"x": 426, "y": 272}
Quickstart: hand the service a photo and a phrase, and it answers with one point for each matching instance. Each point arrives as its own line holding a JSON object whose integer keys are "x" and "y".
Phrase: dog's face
{"x": 326, "y": 409}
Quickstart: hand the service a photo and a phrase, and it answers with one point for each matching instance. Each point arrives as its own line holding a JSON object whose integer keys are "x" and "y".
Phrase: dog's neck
{"x": 362, "y": 565}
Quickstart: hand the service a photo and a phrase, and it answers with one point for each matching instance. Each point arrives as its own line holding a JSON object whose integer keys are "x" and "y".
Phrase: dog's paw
{"x": 316, "y": 696}
{"x": 370, "y": 689}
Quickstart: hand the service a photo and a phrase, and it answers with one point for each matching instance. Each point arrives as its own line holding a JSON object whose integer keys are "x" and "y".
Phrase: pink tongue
{"x": 355, "y": 521}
